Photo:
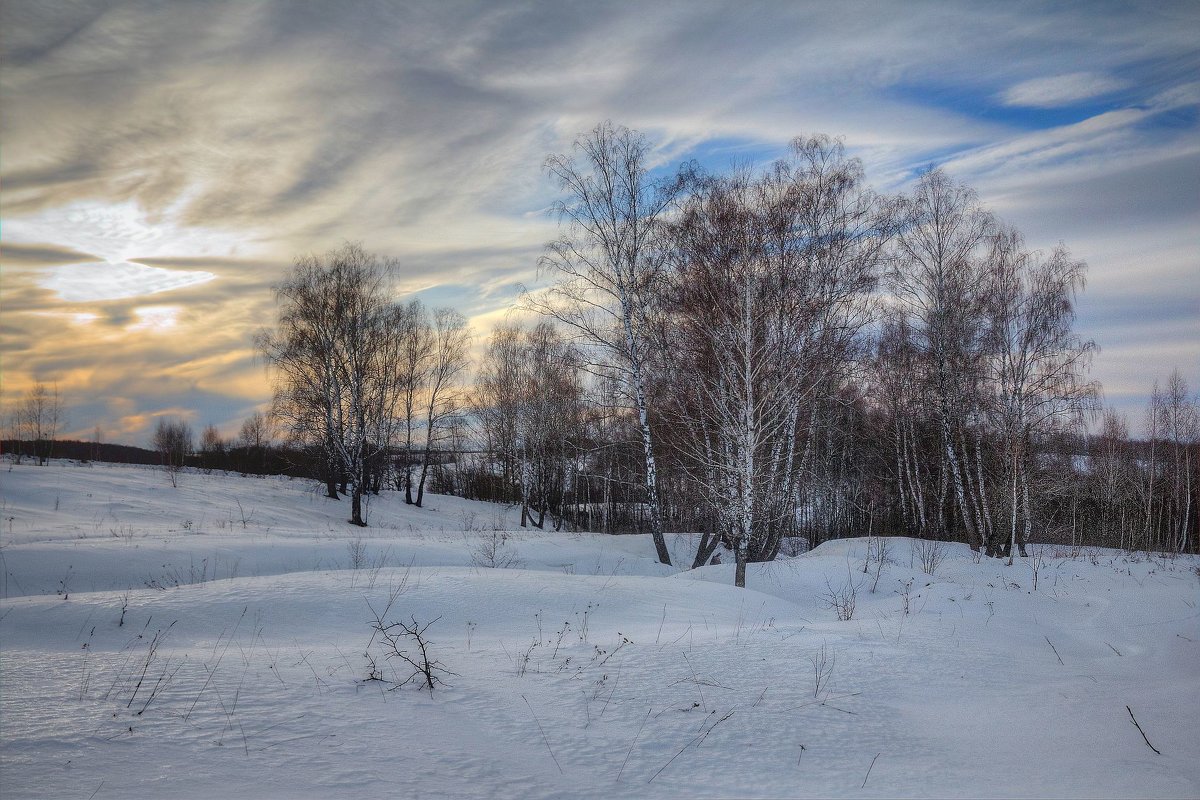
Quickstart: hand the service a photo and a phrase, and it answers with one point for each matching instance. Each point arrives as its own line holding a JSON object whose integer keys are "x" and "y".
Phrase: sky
{"x": 161, "y": 164}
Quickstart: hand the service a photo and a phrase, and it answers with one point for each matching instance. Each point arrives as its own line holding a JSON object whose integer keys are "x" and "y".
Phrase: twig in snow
{"x": 825, "y": 702}
{"x": 685, "y": 633}
{"x": 1142, "y": 732}
{"x": 151, "y": 653}
{"x": 616, "y": 683}
{"x": 696, "y": 740}
{"x": 696, "y": 681}
{"x": 544, "y": 737}
{"x": 1055, "y": 649}
{"x": 634, "y": 742}
{"x": 212, "y": 672}
{"x": 864, "y": 783}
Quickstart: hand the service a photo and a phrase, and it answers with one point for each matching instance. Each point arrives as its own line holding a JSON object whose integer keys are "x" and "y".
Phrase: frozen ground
{"x": 209, "y": 641}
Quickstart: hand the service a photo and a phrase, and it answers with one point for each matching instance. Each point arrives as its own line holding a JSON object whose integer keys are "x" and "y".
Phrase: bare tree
{"x": 528, "y": 398}
{"x": 607, "y": 262}
{"x": 213, "y": 448}
{"x": 903, "y": 397}
{"x": 770, "y": 284}
{"x": 412, "y": 366}
{"x": 1167, "y": 483}
{"x": 35, "y": 423}
{"x": 97, "y": 435}
{"x": 257, "y": 431}
{"x": 1181, "y": 430}
{"x": 444, "y": 398}
{"x": 334, "y": 354}
{"x": 254, "y": 441}
{"x": 1114, "y": 480}
{"x": 1037, "y": 364}
{"x": 173, "y": 443}
{"x": 16, "y": 429}
{"x": 937, "y": 282}
{"x": 498, "y": 402}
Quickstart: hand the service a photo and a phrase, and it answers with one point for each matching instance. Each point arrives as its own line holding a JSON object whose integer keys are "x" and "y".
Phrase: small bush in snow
{"x": 929, "y": 553}
{"x": 878, "y": 553}
{"x": 357, "y": 552}
{"x": 494, "y": 552}
{"x": 841, "y": 599}
{"x": 823, "y": 663}
{"x": 405, "y": 643}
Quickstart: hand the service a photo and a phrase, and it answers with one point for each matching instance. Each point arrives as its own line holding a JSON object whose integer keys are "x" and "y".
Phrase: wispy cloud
{"x": 1061, "y": 90}
{"x": 82, "y": 283}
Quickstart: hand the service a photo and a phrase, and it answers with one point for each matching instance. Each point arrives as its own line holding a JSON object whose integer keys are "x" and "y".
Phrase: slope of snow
{"x": 209, "y": 640}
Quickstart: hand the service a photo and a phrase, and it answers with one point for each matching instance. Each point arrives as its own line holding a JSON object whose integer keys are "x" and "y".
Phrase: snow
{"x": 665, "y": 683}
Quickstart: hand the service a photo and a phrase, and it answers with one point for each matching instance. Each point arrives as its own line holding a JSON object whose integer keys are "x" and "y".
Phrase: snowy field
{"x": 210, "y": 641}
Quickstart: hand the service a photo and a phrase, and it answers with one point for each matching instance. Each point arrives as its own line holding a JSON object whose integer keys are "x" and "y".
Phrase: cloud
{"x": 40, "y": 255}
{"x": 225, "y": 138}
{"x": 1061, "y": 90}
{"x": 81, "y": 283}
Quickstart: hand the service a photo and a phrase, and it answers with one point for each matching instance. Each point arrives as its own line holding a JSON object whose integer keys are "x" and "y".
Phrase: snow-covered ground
{"x": 209, "y": 641}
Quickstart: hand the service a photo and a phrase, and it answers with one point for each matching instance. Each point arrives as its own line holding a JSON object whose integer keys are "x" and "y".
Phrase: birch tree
{"x": 173, "y": 442}
{"x": 444, "y": 397}
{"x": 607, "y": 263}
{"x": 901, "y": 395}
{"x": 1167, "y": 484}
{"x": 1181, "y": 430}
{"x": 1037, "y": 364}
{"x": 938, "y": 282}
{"x": 333, "y": 354}
{"x": 529, "y": 401}
{"x": 769, "y": 290}
{"x": 413, "y": 364}
{"x": 35, "y": 421}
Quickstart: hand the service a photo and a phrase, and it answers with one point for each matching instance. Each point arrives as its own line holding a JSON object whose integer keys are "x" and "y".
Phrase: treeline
{"x": 81, "y": 451}
{"x": 255, "y": 450}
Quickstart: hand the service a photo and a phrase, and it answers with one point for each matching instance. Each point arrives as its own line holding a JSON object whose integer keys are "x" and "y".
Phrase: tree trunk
{"x": 708, "y": 546}
{"x": 421, "y": 484}
{"x": 960, "y": 493}
{"x": 331, "y": 490}
{"x": 408, "y": 496}
{"x": 1028, "y": 529}
{"x": 635, "y": 364}
{"x": 1013, "y": 516}
{"x": 739, "y": 574}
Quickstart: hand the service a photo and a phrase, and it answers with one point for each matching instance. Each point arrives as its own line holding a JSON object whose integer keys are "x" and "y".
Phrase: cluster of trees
{"x": 1138, "y": 494}
{"x": 34, "y": 423}
{"x": 742, "y": 305}
{"x": 530, "y": 407}
{"x": 759, "y": 355}
{"x": 359, "y": 376}
{"x": 251, "y": 451}
{"x": 751, "y": 355}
